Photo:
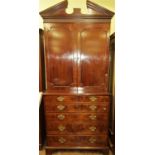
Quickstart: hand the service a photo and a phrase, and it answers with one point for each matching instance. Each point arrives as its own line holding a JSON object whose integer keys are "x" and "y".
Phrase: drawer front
{"x": 59, "y": 99}
{"x": 77, "y": 141}
{"x": 74, "y": 99}
{"x": 76, "y": 117}
{"x": 57, "y": 128}
{"x": 93, "y": 98}
{"x": 79, "y": 107}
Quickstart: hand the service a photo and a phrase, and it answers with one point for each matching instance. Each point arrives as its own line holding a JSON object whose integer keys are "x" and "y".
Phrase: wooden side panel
{"x": 41, "y": 62}
{"x": 112, "y": 86}
{"x": 41, "y": 125}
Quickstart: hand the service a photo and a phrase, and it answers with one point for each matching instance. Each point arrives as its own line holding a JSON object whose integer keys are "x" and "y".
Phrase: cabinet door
{"x": 60, "y": 57}
{"x": 94, "y": 57}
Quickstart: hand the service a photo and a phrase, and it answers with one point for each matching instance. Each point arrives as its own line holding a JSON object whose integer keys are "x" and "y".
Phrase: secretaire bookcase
{"x": 77, "y": 70}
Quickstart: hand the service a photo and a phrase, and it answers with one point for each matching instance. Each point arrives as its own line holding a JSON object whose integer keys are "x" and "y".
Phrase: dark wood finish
{"x": 94, "y": 57}
{"x": 112, "y": 86}
{"x": 58, "y": 128}
{"x": 77, "y": 141}
{"x": 60, "y": 62}
{"x": 69, "y": 71}
{"x": 87, "y": 98}
{"x": 41, "y": 125}
{"x": 41, "y": 88}
{"x": 59, "y": 99}
{"x": 76, "y": 107}
{"x": 68, "y": 99}
{"x": 41, "y": 62}
{"x": 77, "y": 96}
{"x": 70, "y": 117}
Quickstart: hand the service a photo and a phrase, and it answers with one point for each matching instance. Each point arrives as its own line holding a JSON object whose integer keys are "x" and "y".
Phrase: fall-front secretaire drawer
{"x": 75, "y": 141}
{"x": 59, "y": 99}
{"x": 76, "y": 117}
{"x": 76, "y": 107}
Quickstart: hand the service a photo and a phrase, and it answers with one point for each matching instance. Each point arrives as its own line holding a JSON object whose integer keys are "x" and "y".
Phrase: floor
{"x": 42, "y": 152}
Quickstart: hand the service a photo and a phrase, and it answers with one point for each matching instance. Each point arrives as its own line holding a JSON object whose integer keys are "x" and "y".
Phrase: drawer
{"x": 74, "y": 99}
{"x": 76, "y": 117}
{"x": 78, "y": 107}
{"x": 75, "y": 141}
{"x": 59, "y": 99}
{"x": 93, "y": 98}
{"x": 81, "y": 128}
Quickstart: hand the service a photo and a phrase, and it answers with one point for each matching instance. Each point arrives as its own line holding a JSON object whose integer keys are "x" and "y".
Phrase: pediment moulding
{"x": 94, "y": 11}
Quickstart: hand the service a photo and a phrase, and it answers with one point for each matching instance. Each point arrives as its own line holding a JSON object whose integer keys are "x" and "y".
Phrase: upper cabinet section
{"x": 59, "y": 12}
{"x": 60, "y": 59}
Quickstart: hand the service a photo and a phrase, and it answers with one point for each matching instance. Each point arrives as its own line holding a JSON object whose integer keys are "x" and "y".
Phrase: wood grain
{"x": 77, "y": 96}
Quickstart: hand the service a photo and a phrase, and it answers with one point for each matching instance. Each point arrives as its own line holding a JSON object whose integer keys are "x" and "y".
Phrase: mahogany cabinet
{"x": 77, "y": 68}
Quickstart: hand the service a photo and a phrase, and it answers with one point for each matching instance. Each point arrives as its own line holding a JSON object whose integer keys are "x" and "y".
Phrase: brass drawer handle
{"x": 61, "y": 117}
{"x": 92, "y": 128}
{"x": 92, "y": 117}
{"x": 92, "y": 98}
{"x": 104, "y": 109}
{"x": 62, "y": 140}
{"x": 92, "y": 140}
{"x": 93, "y": 107}
{"x": 61, "y": 107}
{"x": 60, "y": 98}
{"x": 61, "y": 128}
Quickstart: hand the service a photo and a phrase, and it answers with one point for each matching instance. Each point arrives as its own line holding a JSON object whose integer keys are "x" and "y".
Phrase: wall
{"x": 109, "y": 4}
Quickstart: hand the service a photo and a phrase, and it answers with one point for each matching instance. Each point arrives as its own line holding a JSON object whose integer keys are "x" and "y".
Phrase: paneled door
{"x": 93, "y": 57}
{"x": 60, "y": 57}
{"x": 77, "y": 57}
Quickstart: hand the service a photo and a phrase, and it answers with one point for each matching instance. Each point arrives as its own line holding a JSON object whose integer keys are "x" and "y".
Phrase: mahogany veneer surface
{"x": 77, "y": 67}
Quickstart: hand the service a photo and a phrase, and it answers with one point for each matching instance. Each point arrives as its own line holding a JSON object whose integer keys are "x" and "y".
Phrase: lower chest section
{"x": 77, "y": 121}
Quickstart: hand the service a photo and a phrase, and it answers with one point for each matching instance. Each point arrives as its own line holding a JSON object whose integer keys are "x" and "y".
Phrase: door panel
{"x": 94, "y": 58}
{"x": 60, "y": 60}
